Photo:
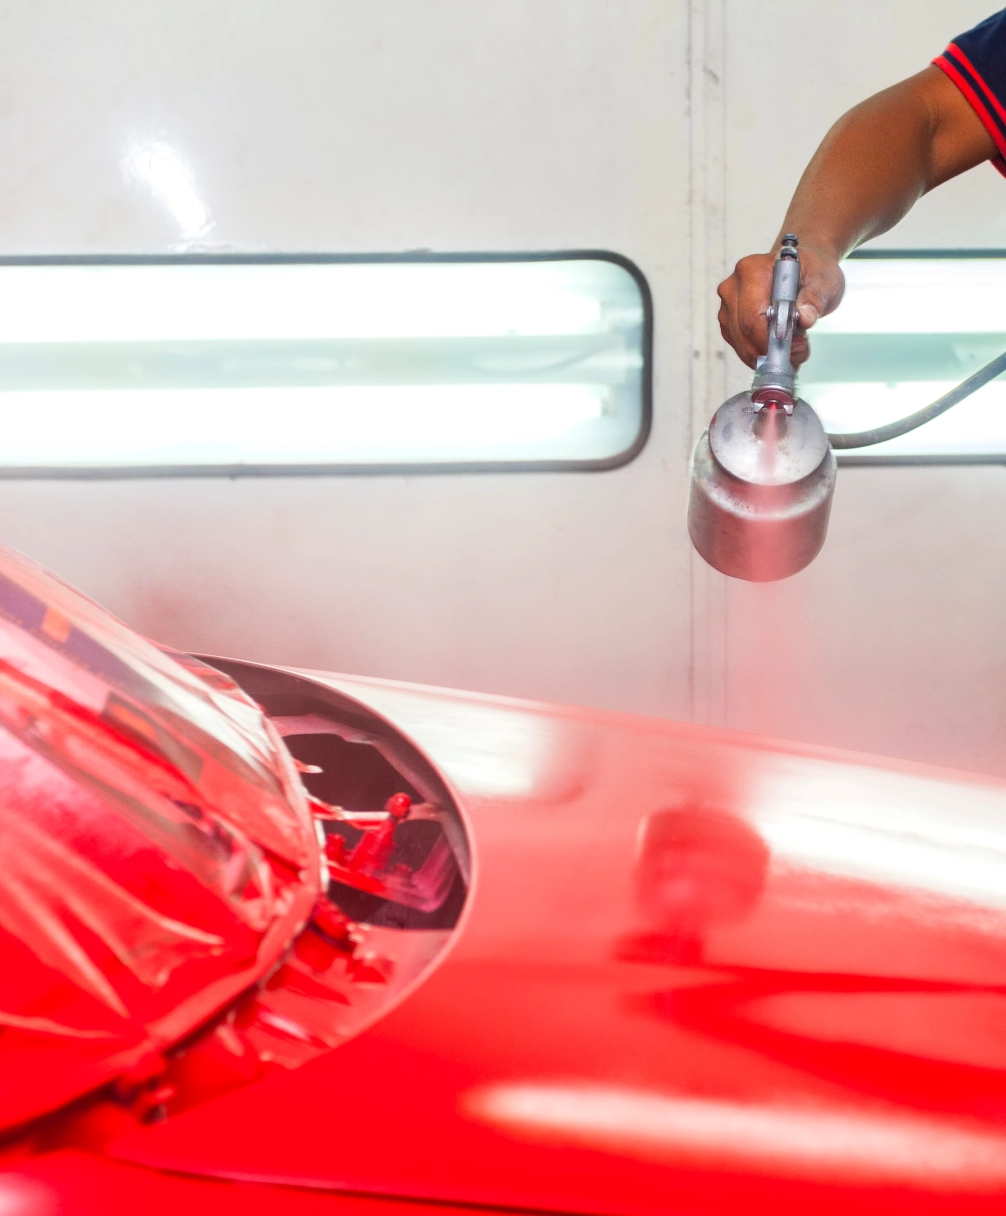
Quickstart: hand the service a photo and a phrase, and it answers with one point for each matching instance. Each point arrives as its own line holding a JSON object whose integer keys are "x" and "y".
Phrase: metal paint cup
{"x": 761, "y": 489}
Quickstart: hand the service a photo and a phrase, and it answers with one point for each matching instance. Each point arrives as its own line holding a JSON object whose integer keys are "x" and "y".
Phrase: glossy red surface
{"x": 86, "y": 1185}
{"x": 697, "y": 972}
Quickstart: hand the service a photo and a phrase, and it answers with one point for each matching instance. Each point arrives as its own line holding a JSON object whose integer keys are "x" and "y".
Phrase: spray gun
{"x": 774, "y": 384}
{"x": 763, "y": 474}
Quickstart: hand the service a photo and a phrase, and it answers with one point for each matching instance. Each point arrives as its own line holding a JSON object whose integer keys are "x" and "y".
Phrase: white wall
{"x": 651, "y": 127}
{"x": 337, "y": 125}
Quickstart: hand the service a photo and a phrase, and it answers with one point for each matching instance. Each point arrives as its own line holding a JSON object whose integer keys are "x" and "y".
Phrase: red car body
{"x": 630, "y": 966}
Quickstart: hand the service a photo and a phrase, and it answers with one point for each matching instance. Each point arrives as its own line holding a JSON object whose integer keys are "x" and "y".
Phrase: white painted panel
{"x": 341, "y": 126}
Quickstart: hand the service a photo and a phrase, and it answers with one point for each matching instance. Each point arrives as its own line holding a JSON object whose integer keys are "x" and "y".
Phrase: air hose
{"x": 880, "y": 434}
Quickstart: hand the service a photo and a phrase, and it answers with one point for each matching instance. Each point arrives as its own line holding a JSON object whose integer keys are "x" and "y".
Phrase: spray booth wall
{"x": 667, "y": 130}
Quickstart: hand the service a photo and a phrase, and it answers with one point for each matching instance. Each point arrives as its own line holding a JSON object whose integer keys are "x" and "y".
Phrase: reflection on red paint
{"x": 697, "y": 868}
{"x": 796, "y": 1141}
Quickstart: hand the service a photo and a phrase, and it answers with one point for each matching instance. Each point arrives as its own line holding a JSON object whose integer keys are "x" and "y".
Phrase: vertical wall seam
{"x": 707, "y": 368}
{"x": 693, "y": 698}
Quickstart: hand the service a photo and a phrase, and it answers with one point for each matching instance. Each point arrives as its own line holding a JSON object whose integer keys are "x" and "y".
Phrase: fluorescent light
{"x": 432, "y": 362}
{"x": 886, "y": 301}
{"x": 299, "y": 425}
{"x": 206, "y": 302}
{"x": 921, "y": 295}
{"x": 976, "y": 425}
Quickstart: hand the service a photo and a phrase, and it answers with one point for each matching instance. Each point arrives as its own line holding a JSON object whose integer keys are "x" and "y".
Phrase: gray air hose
{"x": 864, "y": 439}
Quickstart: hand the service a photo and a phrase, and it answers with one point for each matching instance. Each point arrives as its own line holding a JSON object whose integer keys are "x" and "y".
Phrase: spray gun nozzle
{"x": 772, "y": 398}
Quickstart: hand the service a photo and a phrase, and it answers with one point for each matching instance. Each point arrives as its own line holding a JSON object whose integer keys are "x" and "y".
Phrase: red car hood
{"x": 696, "y": 969}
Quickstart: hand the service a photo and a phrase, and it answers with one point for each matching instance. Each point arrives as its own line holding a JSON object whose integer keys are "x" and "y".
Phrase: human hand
{"x": 746, "y": 294}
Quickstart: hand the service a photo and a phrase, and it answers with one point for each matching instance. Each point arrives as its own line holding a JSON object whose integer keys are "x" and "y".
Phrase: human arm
{"x": 874, "y": 164}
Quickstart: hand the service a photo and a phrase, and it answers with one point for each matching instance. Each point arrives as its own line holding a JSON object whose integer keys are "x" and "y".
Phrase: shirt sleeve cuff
{"x": 955, "y": 64}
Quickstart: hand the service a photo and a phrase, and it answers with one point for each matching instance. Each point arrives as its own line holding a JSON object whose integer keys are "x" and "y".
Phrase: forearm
{"x": 874, "y": 164}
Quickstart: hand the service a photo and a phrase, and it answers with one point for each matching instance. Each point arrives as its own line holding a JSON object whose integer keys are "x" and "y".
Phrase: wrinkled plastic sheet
{"x": 158, "y": 851}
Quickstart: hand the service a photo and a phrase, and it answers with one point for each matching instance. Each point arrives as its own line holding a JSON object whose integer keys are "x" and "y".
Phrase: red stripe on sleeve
{"x": 989, "y": 95}
{"x": 977, "y": 104}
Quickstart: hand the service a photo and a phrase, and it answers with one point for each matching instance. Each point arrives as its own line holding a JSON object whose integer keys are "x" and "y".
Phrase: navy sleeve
{"x": 976, "y": 63}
